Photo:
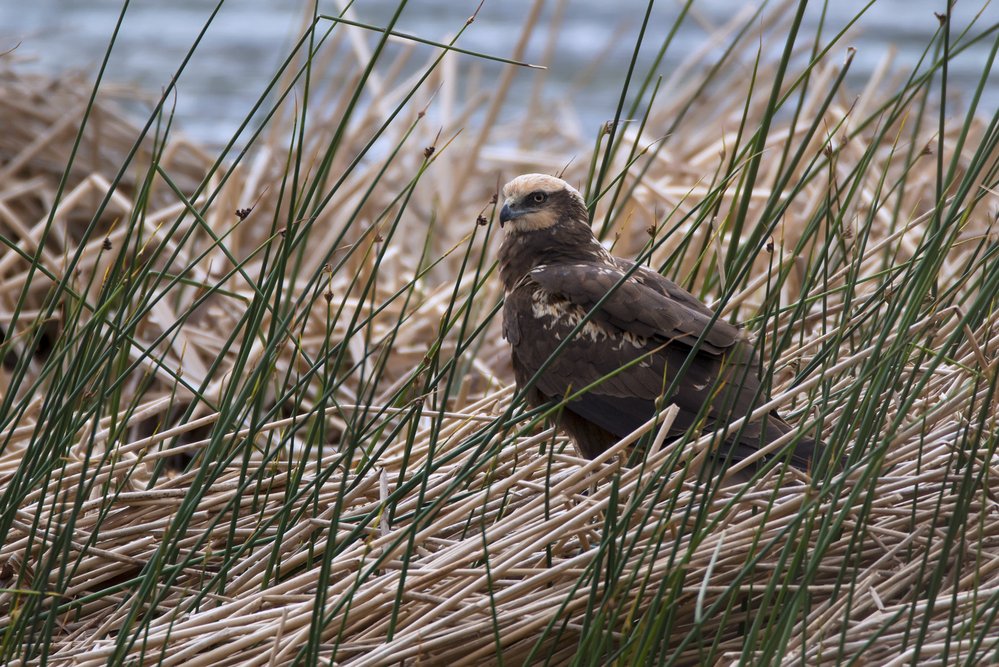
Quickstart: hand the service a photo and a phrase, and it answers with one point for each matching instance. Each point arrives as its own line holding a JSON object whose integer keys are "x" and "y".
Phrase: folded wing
{"x": 633, "y": 348}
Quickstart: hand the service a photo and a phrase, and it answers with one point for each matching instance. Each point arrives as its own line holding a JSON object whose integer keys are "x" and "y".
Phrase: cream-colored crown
{"x": 528, "y": 183}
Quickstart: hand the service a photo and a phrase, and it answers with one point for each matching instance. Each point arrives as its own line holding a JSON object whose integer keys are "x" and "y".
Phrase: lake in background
{"x": 249, "y": 39}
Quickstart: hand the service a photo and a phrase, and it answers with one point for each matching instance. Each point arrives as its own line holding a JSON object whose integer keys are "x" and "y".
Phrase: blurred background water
{"x": 249, "y": 39}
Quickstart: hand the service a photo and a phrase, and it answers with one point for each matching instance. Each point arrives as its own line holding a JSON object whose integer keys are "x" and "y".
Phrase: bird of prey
{"x": 631, "y": 347}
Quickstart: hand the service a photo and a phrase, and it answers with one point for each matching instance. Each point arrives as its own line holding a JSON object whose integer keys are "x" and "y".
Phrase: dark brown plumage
{"x": 554, "y": 272}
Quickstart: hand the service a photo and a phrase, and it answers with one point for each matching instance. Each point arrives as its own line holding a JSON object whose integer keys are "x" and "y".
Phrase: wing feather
{"x": 629, "y": 353}
{"x": 636, "y": 307}
{"x": 663, "y": 285}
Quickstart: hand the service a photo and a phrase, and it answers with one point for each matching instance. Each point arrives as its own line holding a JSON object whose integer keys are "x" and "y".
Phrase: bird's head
{"x": 545, "y": 220}
{"x": 536, "y": 201}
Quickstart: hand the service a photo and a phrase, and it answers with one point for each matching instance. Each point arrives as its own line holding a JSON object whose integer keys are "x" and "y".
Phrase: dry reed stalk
{"x": 511, "y": 545}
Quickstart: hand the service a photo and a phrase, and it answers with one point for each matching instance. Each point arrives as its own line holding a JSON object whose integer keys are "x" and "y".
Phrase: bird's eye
{"x": 539, "y": 197}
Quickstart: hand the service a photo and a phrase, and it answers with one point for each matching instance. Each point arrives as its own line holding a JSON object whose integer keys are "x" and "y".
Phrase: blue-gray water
{"x": 250, "y": 37}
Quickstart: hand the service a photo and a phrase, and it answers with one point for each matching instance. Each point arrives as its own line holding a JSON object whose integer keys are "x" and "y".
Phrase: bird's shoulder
{"x": 663, "y": 285}
{"x": 633, "y": 299}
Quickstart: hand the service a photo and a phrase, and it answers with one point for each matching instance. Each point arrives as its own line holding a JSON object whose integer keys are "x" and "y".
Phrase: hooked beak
{"x": 506, "y": 214}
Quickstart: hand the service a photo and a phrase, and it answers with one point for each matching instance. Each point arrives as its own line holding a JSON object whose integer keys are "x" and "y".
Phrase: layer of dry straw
{"x": 504, "y": 540}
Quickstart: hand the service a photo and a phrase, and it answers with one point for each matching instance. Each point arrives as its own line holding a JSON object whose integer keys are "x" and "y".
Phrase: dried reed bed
{"x": 426, "y": 525}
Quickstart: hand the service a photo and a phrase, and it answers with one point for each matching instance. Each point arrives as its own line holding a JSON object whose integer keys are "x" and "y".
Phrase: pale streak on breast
{"x": 552, "y": 314}
{"x": 628, "y": 338}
